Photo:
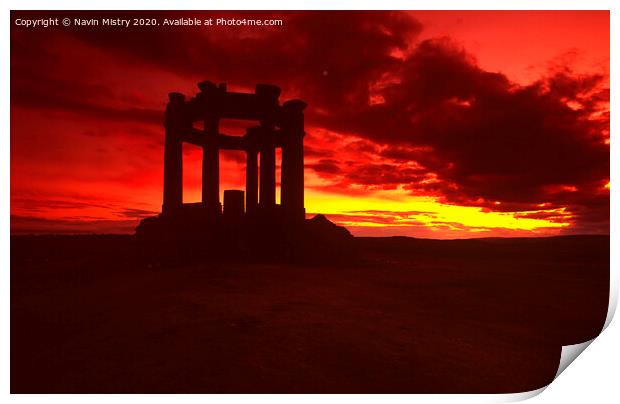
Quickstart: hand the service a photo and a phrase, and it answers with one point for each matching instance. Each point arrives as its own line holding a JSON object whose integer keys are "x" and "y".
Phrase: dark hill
{"x": 412, "y": 316}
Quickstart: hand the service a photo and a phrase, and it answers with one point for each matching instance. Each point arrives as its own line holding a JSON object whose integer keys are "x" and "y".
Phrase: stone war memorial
{"x": 250, "y": 223}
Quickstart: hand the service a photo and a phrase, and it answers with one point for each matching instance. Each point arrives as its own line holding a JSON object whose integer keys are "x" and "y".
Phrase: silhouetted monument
{"x": 262, "y": 225}
{"x": 279, "y": 126}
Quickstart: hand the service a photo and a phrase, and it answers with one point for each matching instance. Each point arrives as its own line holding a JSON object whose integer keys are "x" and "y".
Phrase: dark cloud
{"x": 79, "y": 225}
{"x": 326, "y": 167}
{"x": 484, "y": 132}
{"x": 133, "y": 213}
{"x": 317, "y": 153}
{"x": 489, "y": 140}
{"x": 51, "y": 203}
{"x": 37, "y": 89}
{"x": 383, "y": 174}
{"x": 329, "y": 57}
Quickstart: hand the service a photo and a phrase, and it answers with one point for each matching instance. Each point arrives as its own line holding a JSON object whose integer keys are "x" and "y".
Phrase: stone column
{"x": 176, "y": 121}
{"x": 207, "y": 103}
{"x": 292, "y": 125}
{"x": 233, "y": 205}
{"x": 211, "y": 167}
{"x": 267, "y": 170}
{"x": 251, "y": 180}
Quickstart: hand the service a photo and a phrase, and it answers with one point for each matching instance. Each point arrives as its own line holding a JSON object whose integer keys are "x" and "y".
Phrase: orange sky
{"x": 427, "y": 124}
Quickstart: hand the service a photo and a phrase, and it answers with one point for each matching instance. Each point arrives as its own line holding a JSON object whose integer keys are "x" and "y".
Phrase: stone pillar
{"x": 267, "y": 170}
{"x": 233, "y": 205}
{"x": 292, "y": 125}
{"x": 206, "y": 103}
{"x": 176, "y": 121}
{"x": 211, "y": 167}
{"x": 251, "y": 180}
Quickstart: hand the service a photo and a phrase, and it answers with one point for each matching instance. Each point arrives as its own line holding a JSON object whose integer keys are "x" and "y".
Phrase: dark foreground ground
{"x": 416, "y": 316}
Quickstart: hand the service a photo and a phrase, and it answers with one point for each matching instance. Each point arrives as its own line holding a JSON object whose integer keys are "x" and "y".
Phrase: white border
{"x": 594, "y": 375}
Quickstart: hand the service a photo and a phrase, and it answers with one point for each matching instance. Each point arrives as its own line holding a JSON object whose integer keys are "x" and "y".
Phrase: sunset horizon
{"x": 441, "y": 125}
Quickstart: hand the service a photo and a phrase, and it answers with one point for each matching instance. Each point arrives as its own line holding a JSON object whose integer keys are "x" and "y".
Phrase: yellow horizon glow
{"x": 397, "y": 201}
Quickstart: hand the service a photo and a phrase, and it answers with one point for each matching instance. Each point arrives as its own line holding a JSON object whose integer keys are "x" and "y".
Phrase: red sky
{"x": 428, "y": 124}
